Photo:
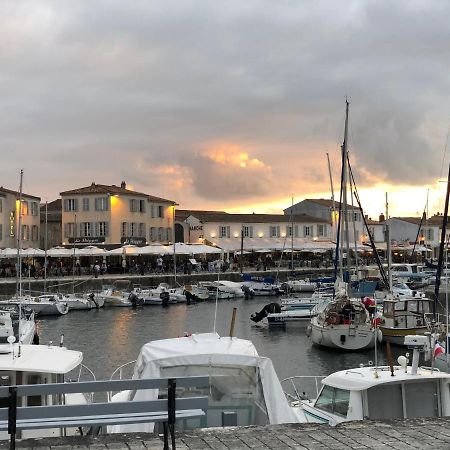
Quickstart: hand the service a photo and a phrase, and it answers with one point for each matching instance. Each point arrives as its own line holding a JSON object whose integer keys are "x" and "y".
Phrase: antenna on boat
{"x": 217, "y": 297}
{"x": 45, "y": 246}
{"x": 333, "y": 203}
{"x": 61, "y": 340}
{"x": 388, "y": 245}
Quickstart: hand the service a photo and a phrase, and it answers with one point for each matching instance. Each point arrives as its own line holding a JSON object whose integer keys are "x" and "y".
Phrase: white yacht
{"x": 380, "y": 393}
{"x": 116, "y": 295}
{"x": 216, "y": 289}
{"x": 42, "y": 305}
{"x": 244, "y": 388}
{"x": 39, "y": 364}
{"x": 343, "y": 324}
{"x": 300, "y": 285}
{"x": 19, "y": 322}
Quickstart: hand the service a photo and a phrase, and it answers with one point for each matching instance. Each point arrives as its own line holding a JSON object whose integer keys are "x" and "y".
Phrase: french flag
{"x": 438, "y": 349}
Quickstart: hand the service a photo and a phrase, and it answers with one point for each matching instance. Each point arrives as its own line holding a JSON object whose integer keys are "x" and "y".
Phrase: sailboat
{"x": 343, "y": 323}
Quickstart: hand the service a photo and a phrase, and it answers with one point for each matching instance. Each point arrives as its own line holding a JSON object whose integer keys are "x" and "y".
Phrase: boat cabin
{"x": 358, "y": 394}
{"x": 36, "y": 364}
{"x": 344, "y": 312}
{"x": 406, "y": 312}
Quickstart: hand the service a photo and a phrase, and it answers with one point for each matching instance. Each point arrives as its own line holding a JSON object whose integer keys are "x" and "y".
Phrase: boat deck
{"x": 403, "y": 434}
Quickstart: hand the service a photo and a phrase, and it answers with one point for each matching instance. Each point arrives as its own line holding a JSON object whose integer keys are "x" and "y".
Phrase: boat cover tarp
{"x": 208, "y": 349}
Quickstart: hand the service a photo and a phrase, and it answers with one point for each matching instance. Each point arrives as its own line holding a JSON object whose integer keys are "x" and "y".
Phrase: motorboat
{"x": 39, "y": 364}
{"x": 118, "y": 294}
{"x": 159, "y": 295}
{"x": 260, "y": 286}
{"x": 42, "y": 305}
{"x": 405, "y": 316}
{"x": 299, "y": 314}
{"x": 299, "y": 286}
{"x": 344, "y": 324}
{"x": 79, "y": 302}
{"x": 217, "y": 290}
{"x": 18, "y": 322}
{"x": 379, "y": 393}
{"x": 232, "y": 286}
{"x": 244, "y": 388}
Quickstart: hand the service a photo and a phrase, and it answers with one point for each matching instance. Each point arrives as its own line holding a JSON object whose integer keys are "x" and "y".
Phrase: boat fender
{"x": 308, "y": 331}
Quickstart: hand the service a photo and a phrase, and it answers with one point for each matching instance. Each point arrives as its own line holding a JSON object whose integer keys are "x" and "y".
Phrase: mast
{"x": 333, "y": 207}
{"x": 441, "y": 248}
{"x": 388, "y": 245}
{"x": 73, "y": 256}
{"x": 174, "y": 251}
{"x": 45, "y": 246}
{"x": 292, "y": 235}
{"x": 19, "y": 241}
{"x": 354, "y": 226}
{"x": 344, "y": 188}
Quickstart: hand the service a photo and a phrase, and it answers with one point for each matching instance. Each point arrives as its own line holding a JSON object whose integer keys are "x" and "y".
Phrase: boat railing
{"x": 84, "y": 374}
{"x": 118, "y": 375}
{"x": 297, "y": 393}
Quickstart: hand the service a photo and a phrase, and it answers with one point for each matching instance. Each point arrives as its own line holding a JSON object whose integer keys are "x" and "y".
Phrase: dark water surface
{"x": 113, "y": 336}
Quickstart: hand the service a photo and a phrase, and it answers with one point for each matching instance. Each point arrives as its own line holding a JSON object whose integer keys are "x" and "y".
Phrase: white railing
{"x": 301, "y": 395}
{"x": 118, "y": 374}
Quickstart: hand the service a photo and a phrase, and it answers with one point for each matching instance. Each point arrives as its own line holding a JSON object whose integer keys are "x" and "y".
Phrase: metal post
{"x": 233, "y": 320}
{"x": 12, "y": 416}
{"x": 171, "y": 391}
{"x": 241, "y": 262}
{"x": 45, "y": 246}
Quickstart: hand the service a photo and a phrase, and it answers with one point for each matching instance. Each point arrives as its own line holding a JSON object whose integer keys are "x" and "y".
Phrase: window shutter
{"x": 106, "y": 229}
{"x": 250, "y": 231}
{"x": 66, "y": 230}
{"x": 107, "y": 203}
{"x": 76, "y": 204}
{"x": 96, "y": 229}
{"x": 228, "y": 232}
{"x": 1, "y": 232}
{"x": 66, "y": 205}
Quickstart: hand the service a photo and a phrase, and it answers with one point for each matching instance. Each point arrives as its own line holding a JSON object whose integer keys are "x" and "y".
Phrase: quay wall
{"x": 432, "y": 433}
{"x": 89, "y": 283}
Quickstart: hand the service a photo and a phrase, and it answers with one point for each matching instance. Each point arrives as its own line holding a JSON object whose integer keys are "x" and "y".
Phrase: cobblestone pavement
{"x": 408, "y": 434}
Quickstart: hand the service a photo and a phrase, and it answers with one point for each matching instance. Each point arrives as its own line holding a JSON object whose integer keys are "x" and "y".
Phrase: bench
{"x": 15, "y": 417}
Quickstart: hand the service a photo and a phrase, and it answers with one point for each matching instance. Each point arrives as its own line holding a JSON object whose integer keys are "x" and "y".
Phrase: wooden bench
{"x": 16, "y": 417}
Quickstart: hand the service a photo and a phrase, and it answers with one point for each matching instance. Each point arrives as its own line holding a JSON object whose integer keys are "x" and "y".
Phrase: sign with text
{"x": 133, "y": 240}
{"x": 87, "y": 240}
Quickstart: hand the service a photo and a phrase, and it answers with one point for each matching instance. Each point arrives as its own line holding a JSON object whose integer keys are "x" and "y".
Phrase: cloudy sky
{"x": 226, "y": 104}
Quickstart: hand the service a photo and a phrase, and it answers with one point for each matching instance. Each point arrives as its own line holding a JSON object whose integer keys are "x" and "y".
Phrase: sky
{"x": 229, "y": 105}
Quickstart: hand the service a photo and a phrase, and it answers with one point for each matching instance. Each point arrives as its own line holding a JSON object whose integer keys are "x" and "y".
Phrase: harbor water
{"x": 110, "y": 337}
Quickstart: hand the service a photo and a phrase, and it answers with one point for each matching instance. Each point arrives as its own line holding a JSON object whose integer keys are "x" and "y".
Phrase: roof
{"x": 362, "y": 378}
{"x": 323, "y": 202}
{"x": 113, "y": 190}
{"x": 261, "y": 218}
{"x": 183, "y": 214}
{"x": 39, "y": 358}
{"x": 434, "y": 220}
{"x": 16, "y": 193}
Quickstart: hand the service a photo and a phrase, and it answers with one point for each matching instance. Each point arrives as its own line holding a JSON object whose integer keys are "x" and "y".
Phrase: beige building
{"x": 115, "y": 215}
{"x": 51, "y": 232}
{"x": 9, "y": 219}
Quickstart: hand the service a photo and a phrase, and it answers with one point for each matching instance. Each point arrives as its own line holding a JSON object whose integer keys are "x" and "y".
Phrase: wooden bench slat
{"x": 105, "y": 386}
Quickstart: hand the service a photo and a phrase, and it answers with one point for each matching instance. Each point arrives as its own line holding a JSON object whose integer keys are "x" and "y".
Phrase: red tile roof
{"x": 16, "y": 193}
{"x": 113, "y": 190}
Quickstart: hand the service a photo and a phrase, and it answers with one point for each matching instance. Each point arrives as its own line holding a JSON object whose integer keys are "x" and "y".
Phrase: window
{"x": 133, "y": 205}
{"x": 1, "y": 232}
{"x": 356, "y": 235}
{"x": 142, "y": 207}
{"x": 356, "y": 217}
{"x": 224, "y": 231}
{"x": 161, "y": 211}
{"x": 153, "y": 234}
{"x": 102, "y": 229}
{"x": 248, "y": 231}
{"x": 69, "y": 229}
{"x": 306, "y": 231}
{"x": 1, "y": 205}
{"x": 142, "y": 230}
{"x": 321, "y": 230}
{"x": 124, "y": 229}
{"x": 133, "y": 229}
{"x": 169, "y": 234}
{"x": 34, "y": 233}
{"x": 85, "y": 204}
{"x": 86, "y": 229}
{"x": 161, "y": 234}
{"x": 333, "y": 400}
{"x": 289, "y": 230}
{"x": 101, "y": 204}
{"x": 34, "y": 400}
{"x": 25, "y": 233}
{"x": 24, "y": 208}
{"x": 429, "y": 234}
{"x": 71, "y": 204}
{"x": 34, "y": 209}
{"x": 274, "y": 231}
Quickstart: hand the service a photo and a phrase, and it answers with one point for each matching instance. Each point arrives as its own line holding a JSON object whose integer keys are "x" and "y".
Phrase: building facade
{"x": 103, "y": 214}
{"x": 9, "y": 219}
{"x": 51, "y": 229}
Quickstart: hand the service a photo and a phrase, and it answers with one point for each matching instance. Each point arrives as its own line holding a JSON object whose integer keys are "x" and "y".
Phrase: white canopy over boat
{"x": 229, "y": 362}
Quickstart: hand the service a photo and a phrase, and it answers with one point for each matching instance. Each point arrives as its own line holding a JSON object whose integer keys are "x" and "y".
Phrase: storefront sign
{"x": 87, "y": 240}
{"x": 196, "y": 228}
{"x": 12, "y": 224}
{"x": 133, "y": 240}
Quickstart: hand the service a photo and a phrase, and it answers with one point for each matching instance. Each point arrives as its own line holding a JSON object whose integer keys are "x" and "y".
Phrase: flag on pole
{"x": 438, "y": 349}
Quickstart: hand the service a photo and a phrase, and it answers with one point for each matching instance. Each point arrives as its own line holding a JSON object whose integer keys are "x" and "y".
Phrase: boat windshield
{"x": 333, "y": 400}
{"x": 236, "y": 395}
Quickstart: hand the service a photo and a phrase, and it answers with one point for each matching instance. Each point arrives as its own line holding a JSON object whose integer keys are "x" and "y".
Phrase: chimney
{"x": 123, "y": 185}
{"x": 366, "y": 216}
{"x": 424, "y": 216}
{"x": 381, "y": 218}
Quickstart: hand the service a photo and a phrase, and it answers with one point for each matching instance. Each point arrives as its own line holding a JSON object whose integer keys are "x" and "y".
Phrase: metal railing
{"x": 118, "y": 371}
{"x": 298, "y": 394}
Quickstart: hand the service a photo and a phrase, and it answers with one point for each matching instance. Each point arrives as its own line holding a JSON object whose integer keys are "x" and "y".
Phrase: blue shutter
{"x": 107, "y": 203}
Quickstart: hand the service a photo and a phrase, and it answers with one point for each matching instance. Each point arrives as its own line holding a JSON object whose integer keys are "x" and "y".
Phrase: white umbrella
{"x": 90, "y": 250}
{"x": 60, "y": 252}
{"x": 32, "y": 252}
{"x": 156, "y": 250}
{"x": 125, "y": 250}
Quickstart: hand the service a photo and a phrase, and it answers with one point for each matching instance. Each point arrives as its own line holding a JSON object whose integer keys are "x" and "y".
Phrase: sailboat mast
{"x": 19, "y": 241}
{"x": 45, "y": 246}
{"x": 174, "y": 250}
{"x": 441, "y": 247}
{"x": 388, "y": 245}
{"x": 344, "y": 187}
{"x": 292, "y": 234}
{"x": 333, "y": 203}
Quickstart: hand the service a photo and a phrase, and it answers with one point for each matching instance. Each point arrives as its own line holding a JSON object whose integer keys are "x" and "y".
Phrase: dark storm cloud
{"x": 108, "y": 90}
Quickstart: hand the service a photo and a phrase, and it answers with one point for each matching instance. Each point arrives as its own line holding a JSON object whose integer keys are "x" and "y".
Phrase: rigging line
{"x": 444, "y": 152}
{"x": 372, "y": 242}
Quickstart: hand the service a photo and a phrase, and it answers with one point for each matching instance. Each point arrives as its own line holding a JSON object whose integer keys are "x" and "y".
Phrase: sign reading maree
{"x": 87, "y": 240}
